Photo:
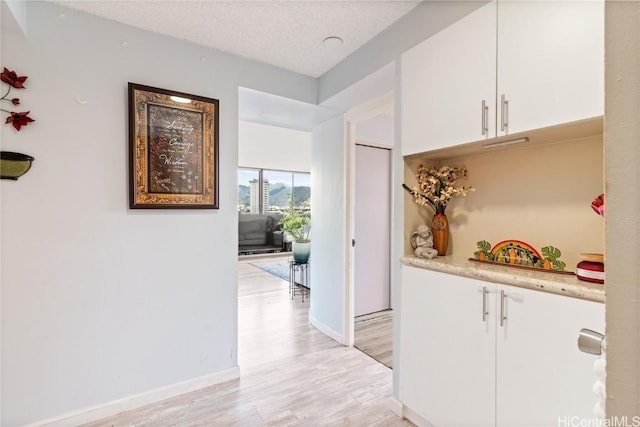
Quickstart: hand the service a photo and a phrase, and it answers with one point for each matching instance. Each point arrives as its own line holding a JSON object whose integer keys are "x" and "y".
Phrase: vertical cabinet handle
{"x": 504, "y": 113}
{"x": 503, "y": 316}
{"x": 485, "y": 312}
{"x": 485, "y": 117}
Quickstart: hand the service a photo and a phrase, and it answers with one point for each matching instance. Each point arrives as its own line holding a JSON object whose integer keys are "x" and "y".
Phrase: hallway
{"x": 292, "y": 375}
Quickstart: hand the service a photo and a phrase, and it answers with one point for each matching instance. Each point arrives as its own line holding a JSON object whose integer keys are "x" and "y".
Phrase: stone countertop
{"x": 561, "y": 284}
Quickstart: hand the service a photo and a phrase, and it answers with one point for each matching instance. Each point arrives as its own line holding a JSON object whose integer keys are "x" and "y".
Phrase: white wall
{"x": 422, "y": 22}
{"x": 328, "y": 213}
{"x": 15, "y": 14}
{"x": 273, "y": 147}
{"x": 100, "y": 302}
{"x": 397, "y": 230}
{"x": 377, "y": 130}
{"x": 622, "y": 177}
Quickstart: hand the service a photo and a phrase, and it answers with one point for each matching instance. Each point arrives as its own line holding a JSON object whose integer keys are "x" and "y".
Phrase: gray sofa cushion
{"x": 252, "y": 232}
{"x": 257, "y": 230}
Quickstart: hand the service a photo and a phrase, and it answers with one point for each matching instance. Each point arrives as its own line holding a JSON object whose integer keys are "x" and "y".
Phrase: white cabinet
{"x": 447, "y": 358}
{"x": 444, "y": 81}
{"x": 458, "y": 367}
{"x": 550, "y": 62}
{"x": 544, "y": 58}
{"x": 541, "y": 374}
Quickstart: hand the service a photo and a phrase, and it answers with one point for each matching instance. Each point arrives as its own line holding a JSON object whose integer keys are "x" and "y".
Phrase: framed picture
{"x": 173, "y": 149}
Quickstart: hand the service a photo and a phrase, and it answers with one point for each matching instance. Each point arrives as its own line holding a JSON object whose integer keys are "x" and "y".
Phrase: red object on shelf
{"x": 590, "y": 271}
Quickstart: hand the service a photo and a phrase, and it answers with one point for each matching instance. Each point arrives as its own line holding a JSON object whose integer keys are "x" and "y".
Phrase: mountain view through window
{"x": 264, "y": 191}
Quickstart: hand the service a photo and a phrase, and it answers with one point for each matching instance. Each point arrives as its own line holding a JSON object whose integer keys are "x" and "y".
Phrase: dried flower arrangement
{"x": 437, "y": 186}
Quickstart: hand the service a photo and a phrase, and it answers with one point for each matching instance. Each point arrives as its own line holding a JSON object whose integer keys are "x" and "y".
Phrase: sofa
{"x": 257, "y": 230}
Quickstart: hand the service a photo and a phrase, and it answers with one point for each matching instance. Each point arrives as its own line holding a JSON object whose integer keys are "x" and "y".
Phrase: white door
{"x": 372, "y": 236}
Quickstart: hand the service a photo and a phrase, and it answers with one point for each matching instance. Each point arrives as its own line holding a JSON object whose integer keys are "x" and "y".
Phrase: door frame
{"x": 381, "y": 105}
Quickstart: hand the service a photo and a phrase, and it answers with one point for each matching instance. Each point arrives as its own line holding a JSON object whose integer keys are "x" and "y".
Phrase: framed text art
{"x": 173, "y": 149}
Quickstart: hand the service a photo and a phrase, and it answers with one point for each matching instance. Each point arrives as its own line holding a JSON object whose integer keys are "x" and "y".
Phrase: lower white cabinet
{"x": 447, "y": 356}
{"x": 461, "y": 366}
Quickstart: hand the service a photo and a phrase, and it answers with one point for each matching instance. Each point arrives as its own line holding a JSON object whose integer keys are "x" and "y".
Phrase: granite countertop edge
{"x": 560, "y": 284}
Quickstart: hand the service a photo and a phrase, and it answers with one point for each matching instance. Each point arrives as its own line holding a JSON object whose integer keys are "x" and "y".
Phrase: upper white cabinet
{"x": 550, "y": 63}
{"x": 444, "y": 81}
{"x": 508, "y": 67}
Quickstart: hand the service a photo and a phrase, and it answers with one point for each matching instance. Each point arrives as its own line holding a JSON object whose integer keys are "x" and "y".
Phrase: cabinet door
{"x": 541, "y": 375}
{"x": 444, "y": 81}
{"x": 447, "y": 369}
{"x": 550, "y": 62}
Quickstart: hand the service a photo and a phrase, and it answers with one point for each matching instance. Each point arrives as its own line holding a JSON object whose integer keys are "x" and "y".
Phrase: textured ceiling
{"x": 287, "y": 34}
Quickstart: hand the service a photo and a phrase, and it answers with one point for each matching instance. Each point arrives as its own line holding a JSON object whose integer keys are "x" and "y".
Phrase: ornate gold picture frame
{"x": 173, "y": 149}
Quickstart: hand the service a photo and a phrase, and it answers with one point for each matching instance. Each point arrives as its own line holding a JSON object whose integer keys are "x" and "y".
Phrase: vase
{"x": 301, "y": 251}
{"x": 440, "y": 230}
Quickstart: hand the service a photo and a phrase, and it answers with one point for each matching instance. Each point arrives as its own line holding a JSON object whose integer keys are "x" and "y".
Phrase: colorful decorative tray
{"x": 516, "y": 253}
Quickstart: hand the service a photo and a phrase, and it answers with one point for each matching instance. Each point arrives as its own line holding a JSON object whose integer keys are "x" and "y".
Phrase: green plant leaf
{"x": 484, "y": 246}
{"x": 296, "y": 225}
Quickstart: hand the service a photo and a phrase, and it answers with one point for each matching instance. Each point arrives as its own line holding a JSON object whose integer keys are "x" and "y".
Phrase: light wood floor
{"x": 374, "y": 336}
{"x": 292, "y": 375}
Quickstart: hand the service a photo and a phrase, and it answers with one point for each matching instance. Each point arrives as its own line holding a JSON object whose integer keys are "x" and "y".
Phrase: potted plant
{"x": 298, "y": 227}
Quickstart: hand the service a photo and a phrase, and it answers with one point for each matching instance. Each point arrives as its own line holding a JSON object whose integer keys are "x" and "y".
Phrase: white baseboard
{"x": 326, "y": 330}
{"x": 114, "y": 407}
{"x": 415, "y": 418}
{"x": 396, "y": 407}
{"x": 404, "y": 412}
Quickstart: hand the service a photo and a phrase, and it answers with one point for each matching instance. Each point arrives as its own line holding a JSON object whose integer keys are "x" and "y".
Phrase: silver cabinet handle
{"x": 504, "y": 112}
{"x": 590, "y": 341}
{"x": 503, "y": 316}
{"x": 485, "y": 312}
{"x": 485, "y": 117}
{"x": 506, "y": 115}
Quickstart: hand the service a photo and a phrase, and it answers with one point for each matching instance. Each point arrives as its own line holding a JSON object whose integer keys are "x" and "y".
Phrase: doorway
{"x": 372, "y": 140}
{"x": 373, "y": 323}
{"x": 274, "y": 133}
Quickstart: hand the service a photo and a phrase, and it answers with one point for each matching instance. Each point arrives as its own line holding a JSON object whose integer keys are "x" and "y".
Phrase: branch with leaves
{"x": 17, "y": 119}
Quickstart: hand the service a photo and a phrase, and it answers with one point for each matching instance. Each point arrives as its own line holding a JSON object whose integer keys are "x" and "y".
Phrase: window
{"x": 302, "y": 191}
{"x": 271, "y": 191}
{"x": 248, "y": 191}
{"x": 278, "y": 186}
